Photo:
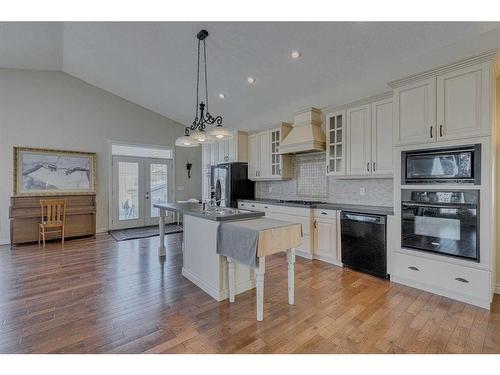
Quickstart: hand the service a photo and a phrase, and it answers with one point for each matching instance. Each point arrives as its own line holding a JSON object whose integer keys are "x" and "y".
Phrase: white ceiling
{"x": 153, "y": 64}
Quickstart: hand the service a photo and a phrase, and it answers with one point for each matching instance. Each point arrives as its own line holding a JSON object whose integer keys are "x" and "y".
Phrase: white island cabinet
{"x": 204, "y": 267}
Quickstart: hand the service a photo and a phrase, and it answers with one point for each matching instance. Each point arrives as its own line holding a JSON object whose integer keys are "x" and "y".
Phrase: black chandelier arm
{"x": 212, "y": 120}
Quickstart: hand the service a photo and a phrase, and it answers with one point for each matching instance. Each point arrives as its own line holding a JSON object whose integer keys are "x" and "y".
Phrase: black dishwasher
{"x": 363, "y": 239}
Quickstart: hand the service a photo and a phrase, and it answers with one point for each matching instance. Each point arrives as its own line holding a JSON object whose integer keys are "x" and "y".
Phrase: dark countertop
{"x": 377, "y": 210}
{"x": 195, "y": 209}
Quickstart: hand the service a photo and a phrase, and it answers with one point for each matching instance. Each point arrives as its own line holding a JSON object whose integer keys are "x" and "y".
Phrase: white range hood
{"x": 306, "y": 134}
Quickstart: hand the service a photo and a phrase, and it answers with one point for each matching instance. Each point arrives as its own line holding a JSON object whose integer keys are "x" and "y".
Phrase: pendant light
{"x": 195, "y": 134}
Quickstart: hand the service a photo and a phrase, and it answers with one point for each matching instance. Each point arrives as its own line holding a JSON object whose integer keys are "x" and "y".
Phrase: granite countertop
{"x": 365, "y": 209}
{"x": 195, "y": 209}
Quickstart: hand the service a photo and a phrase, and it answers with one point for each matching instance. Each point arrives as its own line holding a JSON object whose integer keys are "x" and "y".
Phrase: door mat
{"x": 143, "y": 232}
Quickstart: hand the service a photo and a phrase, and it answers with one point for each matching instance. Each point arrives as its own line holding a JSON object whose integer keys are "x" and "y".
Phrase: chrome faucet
{"x": 211, "y": 203}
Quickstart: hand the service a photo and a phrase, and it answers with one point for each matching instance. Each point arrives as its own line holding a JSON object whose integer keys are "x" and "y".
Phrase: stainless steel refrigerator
{"x": 229, "y": 182}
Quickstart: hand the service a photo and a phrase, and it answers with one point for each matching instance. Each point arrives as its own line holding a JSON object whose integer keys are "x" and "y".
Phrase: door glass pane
{"x": 339, "y": 136}
{"x": 159, "y": 187}
{"x": 339, "y": 121}
{"x": 332, "y": 137}
{"x": 338, "y": 166}
{"x": 128, "y": 190}
{"x": 332, "y": 165}
{"x": 339, "y": 151}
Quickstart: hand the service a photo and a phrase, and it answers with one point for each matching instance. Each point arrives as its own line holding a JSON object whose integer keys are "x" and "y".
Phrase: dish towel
{"x": 244, "y": 240}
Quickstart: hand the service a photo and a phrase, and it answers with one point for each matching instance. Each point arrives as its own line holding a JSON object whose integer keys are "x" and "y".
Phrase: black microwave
{"x": 442, "y": 165}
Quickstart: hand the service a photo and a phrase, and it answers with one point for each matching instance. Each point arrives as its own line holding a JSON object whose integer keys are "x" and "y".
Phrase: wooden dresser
{"x": 24, "y": 214}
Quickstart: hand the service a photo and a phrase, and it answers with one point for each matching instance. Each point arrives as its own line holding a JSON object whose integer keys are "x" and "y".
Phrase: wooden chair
{"x": 53, "y": 217}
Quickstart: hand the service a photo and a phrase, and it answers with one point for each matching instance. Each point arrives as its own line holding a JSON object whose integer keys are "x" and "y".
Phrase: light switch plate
{"x": 362, "y": 191}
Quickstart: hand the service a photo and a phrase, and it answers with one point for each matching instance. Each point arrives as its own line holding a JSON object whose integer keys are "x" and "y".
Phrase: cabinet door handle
{"x": 315, "y": 224}
{"x": 462, "y": 280}
{"x": 413, "y": 268}
{"x": 373, "y": 167}
{"x": 441, "y": 130}
{"x": 368, "y": 167}
{"x": 323, "y": 213}
{"x": 327, "y": 169}
{"x": 431, "y": 131}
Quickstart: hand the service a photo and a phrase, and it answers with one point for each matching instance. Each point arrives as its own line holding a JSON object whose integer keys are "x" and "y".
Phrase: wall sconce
{"x": 189, "y": 165}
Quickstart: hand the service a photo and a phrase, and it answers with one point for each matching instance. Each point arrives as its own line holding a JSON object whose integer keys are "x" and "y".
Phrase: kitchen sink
{"x": 222, "y": 211}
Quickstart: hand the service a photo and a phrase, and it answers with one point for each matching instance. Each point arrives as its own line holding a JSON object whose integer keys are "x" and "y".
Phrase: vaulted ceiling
{"x": 153, "y": 64}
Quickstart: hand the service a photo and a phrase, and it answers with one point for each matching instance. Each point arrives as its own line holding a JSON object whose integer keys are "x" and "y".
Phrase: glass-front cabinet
{"x": 275, "y": 156}
{"x": 264, "y": 161}
{"x": 335, "y": 142}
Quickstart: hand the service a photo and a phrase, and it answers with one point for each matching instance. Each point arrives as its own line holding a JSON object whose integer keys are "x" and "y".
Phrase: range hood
{"x": 306, "y": 134}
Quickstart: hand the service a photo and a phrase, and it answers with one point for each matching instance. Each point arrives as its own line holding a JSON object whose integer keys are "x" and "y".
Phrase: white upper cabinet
{"x": 265, "y": 154}
{"x": 335, "y": 142}
{"x": 226, "y": 151}
{"x": 231, "y": 150}
{"x": 448, "y": 103}
{"x": 265, "y": 163}
{"x": 415, "y": 113}
{"x": 359, "y": 140}
{"x": 253, "y": 156}
{"x": 382, "y": 133}
{"x": 463, "y": 103}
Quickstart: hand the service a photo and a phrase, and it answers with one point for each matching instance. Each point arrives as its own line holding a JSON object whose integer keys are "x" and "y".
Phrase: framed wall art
{"x": 53, "y": 172}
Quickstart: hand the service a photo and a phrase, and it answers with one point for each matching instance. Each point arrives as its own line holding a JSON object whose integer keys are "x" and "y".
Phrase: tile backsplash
{"x": 310, "y": 182}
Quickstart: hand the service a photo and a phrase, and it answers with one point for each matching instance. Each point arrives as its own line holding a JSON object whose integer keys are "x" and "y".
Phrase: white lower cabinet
{"x": 465, "y": 284}
{"x": 320, "y": 228}
{"x": 326, "y": 236}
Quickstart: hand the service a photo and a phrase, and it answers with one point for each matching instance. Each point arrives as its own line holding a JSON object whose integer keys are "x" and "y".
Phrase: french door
{"x": 138, "y": 184}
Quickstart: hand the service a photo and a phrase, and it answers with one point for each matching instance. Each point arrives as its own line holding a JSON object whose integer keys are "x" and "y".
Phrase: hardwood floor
{"x": 102, "y": 296}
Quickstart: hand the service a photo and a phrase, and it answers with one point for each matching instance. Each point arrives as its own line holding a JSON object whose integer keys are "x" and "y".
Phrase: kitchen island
{"x": 224, "y": 249}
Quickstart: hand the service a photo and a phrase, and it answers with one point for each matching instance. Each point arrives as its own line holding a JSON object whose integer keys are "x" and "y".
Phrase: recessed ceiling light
{"x": 222, "y": 96}
{"x": 251, "y": 80}
{"x": 295, "y": 54}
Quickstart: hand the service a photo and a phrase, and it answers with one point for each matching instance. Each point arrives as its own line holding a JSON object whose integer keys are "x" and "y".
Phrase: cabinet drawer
{"x": 298, "y": 211}
{"x": 441, "y": 275}
{"x": 468, "y": 281}
{"x": 320, "y": 213}
{"x": 415, "y": 269}
{"x": 252, "y": 206}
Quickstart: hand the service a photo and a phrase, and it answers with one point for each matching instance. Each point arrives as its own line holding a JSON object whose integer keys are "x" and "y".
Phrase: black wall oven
{"x": 443, "y": 222}
{"x": 442, "y": 165}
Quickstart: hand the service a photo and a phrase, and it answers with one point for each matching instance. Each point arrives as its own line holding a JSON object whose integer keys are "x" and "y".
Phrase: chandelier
{"x": 196, "y": 133}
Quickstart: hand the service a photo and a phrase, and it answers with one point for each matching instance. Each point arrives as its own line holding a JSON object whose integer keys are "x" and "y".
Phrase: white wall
{"x": 55, "y": 110}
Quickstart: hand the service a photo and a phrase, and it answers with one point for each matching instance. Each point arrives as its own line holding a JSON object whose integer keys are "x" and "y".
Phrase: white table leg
{"x": 261, "y": 270}
{"x": 290, "y": 258}
{"x": 161, "y": 248}
{"x": 230, "y": 277}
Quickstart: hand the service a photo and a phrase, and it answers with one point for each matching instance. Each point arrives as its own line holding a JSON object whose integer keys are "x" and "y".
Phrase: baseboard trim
{"x": 213, "y": 292}
{"x": 4, "y": 241}
{"x": 497, "y": 289}
{"x": 303, "y": 254}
